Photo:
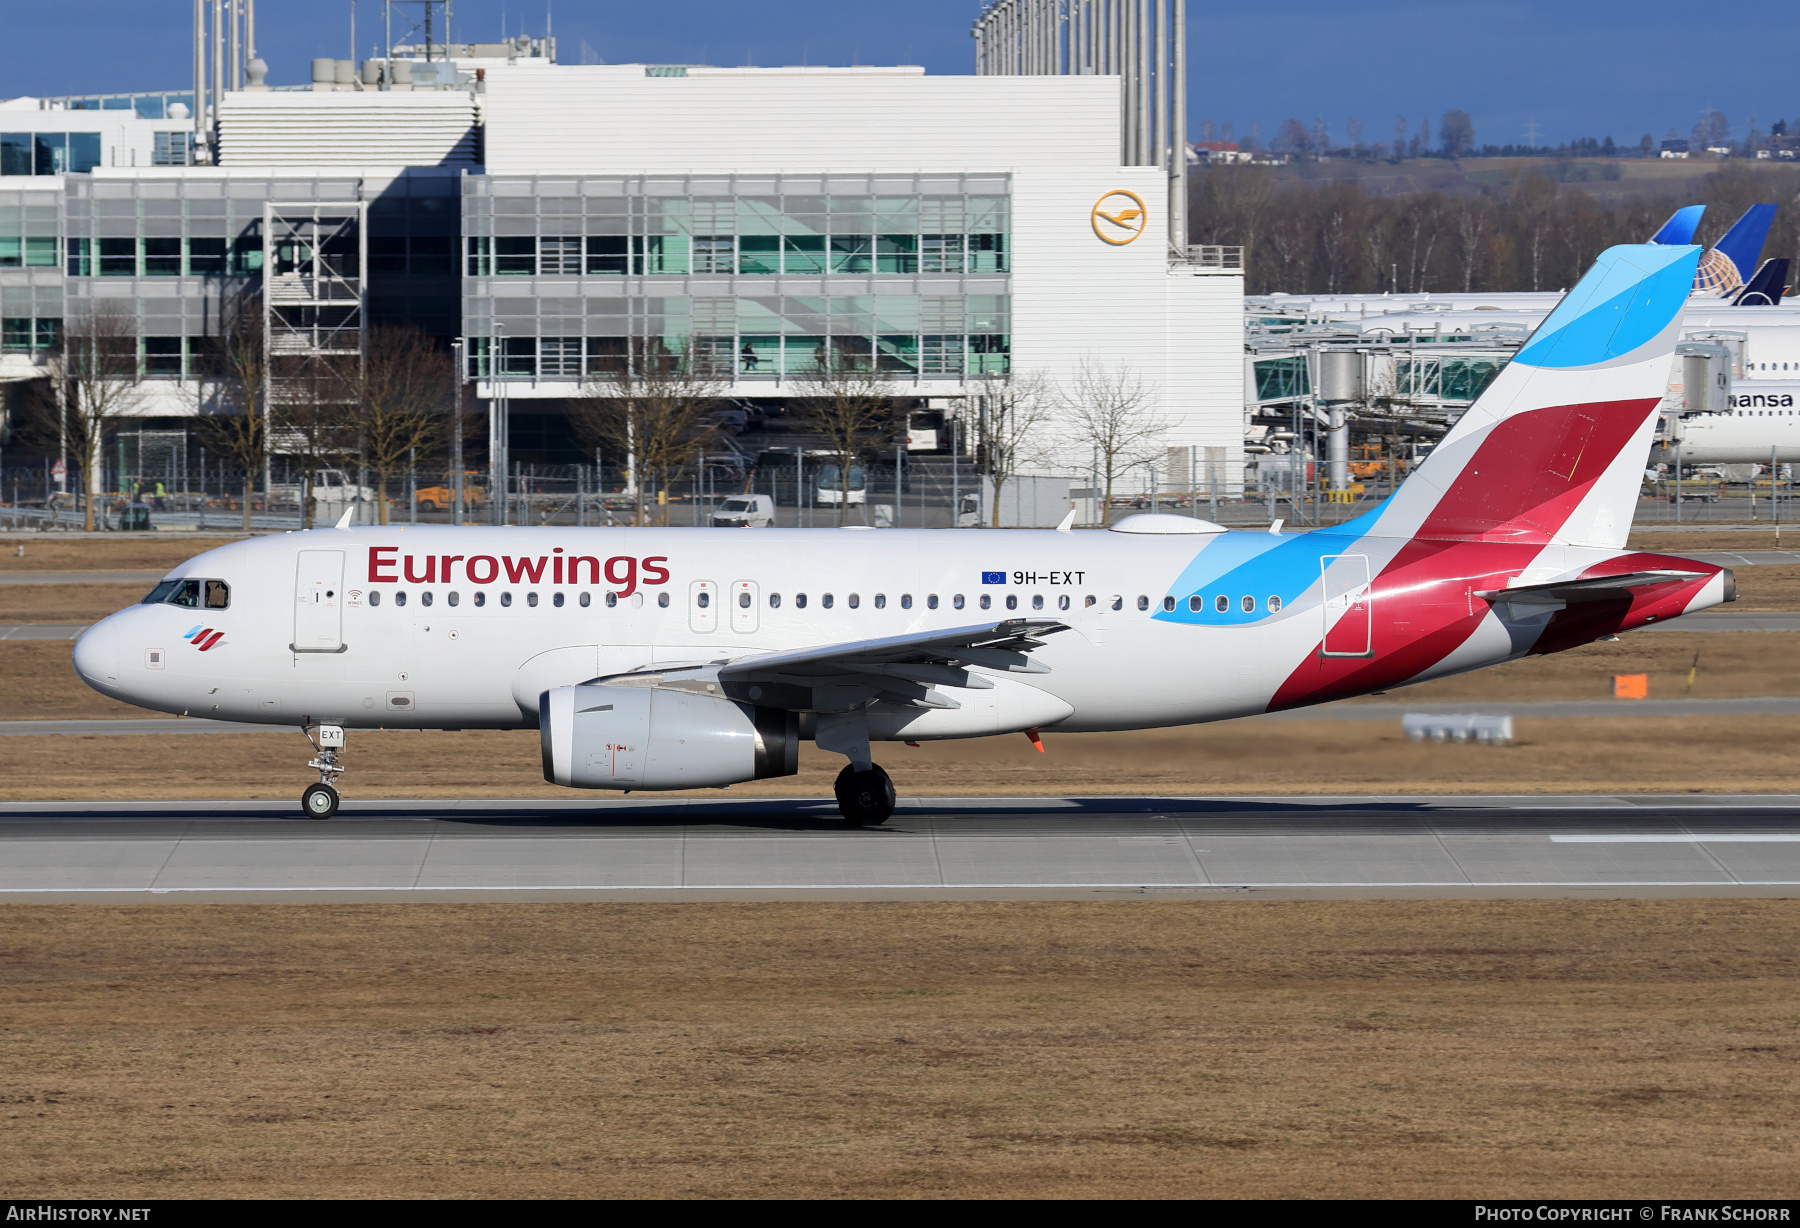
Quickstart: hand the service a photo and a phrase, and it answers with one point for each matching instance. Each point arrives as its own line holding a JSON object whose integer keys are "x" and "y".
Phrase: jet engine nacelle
{"x": 616, "y": 737}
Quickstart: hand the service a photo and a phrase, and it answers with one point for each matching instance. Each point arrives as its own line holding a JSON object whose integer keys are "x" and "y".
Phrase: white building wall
{"x": 613, "y": 118}
{"x": 330, "y": 131}
{"x": 1079, "y": 299}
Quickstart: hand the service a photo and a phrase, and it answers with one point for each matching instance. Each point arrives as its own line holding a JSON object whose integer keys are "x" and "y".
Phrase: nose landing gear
{"x": 320, "y": 801}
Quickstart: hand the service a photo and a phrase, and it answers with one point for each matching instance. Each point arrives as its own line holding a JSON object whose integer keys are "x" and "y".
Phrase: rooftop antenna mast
{"x": 431, "y": 16}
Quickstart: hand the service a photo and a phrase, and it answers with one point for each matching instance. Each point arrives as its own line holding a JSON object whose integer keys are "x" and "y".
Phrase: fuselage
{"x": 438, "y": 627}
{"x": 1761, "y": 421}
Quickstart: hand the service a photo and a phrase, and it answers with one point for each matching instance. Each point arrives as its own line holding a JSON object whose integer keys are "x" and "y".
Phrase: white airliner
{"x": 684, "y": 658}
{"x": 1761, "y": 417}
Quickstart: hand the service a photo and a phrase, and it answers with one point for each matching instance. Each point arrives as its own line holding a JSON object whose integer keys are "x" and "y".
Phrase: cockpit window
{"x": 193, "y": 594}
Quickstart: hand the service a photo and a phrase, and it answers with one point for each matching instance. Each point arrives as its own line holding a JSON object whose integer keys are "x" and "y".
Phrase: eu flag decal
{"x": 993, "y": 577}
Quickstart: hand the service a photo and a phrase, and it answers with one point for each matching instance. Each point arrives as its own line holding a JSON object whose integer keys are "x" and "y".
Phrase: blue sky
{"x": 1594, "y": 68}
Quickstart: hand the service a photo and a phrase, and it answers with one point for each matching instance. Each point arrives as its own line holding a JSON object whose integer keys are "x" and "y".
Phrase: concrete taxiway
{"x": 933, "y": 848}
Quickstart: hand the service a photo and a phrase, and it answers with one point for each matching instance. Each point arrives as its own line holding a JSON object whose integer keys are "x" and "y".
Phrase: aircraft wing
{"x": 1591, "y": 588}
{"x": 903, "y": 670}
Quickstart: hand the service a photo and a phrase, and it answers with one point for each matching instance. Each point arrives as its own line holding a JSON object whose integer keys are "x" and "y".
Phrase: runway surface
{"x": 933, "y": 848}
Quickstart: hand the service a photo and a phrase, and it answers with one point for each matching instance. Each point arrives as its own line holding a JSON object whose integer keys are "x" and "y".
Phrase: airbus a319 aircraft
{"x": 685, "y": 658}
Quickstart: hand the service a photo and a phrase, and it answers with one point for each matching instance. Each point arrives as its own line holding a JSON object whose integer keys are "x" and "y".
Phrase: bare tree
{"x": 846, "y": 404}
{"x": 1457, "y": 133}
{"x": 229, "y": 397}
{"x": 1111, "y": 410}
{"x": 1014, "y": 427}
{"x": 650, "y": 408}
{"x": 93, "y": 383}
{"x": 401, "y": 390}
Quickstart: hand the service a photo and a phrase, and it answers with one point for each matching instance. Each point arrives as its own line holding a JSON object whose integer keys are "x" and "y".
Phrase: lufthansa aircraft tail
{"x": 1553, "y": 452}
{"x": 1767, "y": 287}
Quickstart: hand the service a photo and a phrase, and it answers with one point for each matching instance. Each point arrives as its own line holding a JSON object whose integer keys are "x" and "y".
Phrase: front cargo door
{"x": 319, "y": 601}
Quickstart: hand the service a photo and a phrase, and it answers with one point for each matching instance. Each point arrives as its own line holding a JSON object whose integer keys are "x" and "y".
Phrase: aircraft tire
{"x": 319, "y": 801}
{"x": 865, "y": 799}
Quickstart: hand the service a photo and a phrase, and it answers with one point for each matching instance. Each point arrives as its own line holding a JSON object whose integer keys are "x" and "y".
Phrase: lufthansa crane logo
{"x": 1119, "y": 217}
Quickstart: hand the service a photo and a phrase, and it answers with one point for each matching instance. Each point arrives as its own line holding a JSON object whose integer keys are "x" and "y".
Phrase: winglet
{"x": 346, "y": 518}
{"x": 1068, "y": 522}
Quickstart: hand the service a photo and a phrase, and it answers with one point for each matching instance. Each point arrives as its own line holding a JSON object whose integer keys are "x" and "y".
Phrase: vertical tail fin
{"x": 1728, "y": 265}
{"x": 1554, "y": 450}
{"x": 1767, "y": 287}
{"x": 1678, "y": 231}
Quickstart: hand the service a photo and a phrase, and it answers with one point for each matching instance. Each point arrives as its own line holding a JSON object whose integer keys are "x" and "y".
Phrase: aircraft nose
{"x": 96, "y": 656}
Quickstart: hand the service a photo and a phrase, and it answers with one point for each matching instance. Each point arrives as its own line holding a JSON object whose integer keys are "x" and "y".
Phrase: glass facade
{"x": 758, "y": 273}
{"x": 48, "y": 153}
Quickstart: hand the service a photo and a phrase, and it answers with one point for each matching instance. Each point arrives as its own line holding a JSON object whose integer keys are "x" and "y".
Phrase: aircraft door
{"x": 744, "y": 597}
{"x": 1348, "y": 605}
{"x": 703, "y": 606}
{"x": 319, "y": 601}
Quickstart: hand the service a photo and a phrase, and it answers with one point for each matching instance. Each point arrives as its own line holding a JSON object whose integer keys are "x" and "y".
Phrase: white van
{"x": 745, "y": 512}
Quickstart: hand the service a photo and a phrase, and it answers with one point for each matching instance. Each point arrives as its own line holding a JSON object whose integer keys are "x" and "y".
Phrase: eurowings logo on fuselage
{"x": 203, "y": 638}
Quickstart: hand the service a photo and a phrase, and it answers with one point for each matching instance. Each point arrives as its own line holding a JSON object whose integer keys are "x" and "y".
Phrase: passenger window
{"x": 480, "y": 599}
{"x": 906, "y": 601}
{"x": 1088, "y": 601}
{"x": 400, "y": 597}
{"x": 880, "y": 601}
{"x": 1037, "y": 601}
{"x": 1118, "y": 602}
{"x": 825, "y": 601}
{"x": 1249, "y": 604}
{"x": 662, "y": 600}
{"x": 1221, "y": 603}
{"x": 531, "y": 599}
{"x": 161, "y": 592}
{"x": 1012, "y": 601}
{"x": 1062, "y": 602}
{"x": 1168, "y": 604}
{"x": 218, "y": 595}
{"x": 986, "y": 601}
{"x": 1274, "y": 605}
{"x": 1194, "y": 603}
{"x": 505, "y": 598}
{"x": 375, "y": 597}
{"x": 557, "y": 601}
{"x": 703, "y": 600}
{"x": 855, "y": 600}
{"x": 425, "y": 598}
{"x": 1143, "y": 602}
{"x": 957, "y": 601}
{"x": 612, "y": 599}
{"x": 799, "y": 601}
{"x": 743, "y": 601}
{"x": 931, "y": 602}
{"x": 586, "y": 600}
{"x": 453, "y": 597}
{"x": 774, "y": 601}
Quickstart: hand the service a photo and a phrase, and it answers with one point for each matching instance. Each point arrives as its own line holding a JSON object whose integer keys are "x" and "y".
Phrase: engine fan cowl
{"x": 614, "y": 737}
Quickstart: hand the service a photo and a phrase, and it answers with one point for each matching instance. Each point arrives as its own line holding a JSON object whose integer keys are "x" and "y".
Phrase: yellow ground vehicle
{"x": 432, "y": 498}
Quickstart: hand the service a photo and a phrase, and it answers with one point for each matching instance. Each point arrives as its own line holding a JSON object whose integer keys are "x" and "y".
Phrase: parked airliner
{"x": 684, "y": 658}
{"x": 1762, "y": 417}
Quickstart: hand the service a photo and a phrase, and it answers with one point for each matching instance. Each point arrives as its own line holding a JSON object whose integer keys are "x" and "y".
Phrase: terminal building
{"x": 956, "y": 229}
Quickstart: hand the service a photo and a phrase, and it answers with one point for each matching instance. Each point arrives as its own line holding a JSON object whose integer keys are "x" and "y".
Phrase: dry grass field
{"x": 112, "y": 552}
{"x": 1585, "y": 755}
{"x": 1642, "y": 1049}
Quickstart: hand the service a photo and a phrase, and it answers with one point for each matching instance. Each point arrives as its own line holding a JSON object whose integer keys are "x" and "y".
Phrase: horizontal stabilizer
{"x": 1591, "y": 588}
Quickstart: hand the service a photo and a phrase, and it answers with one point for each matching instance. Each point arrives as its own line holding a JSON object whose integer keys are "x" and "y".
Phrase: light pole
{"x": 456, "y": 428}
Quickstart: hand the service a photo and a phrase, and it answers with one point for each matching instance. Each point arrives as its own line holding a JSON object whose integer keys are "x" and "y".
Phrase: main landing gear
{"x": 864, "y": 798}
{"x": 320, "y": 801}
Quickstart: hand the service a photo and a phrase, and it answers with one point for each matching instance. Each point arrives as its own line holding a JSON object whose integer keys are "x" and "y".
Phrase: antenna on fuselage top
{"x": 344, "y": 520}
